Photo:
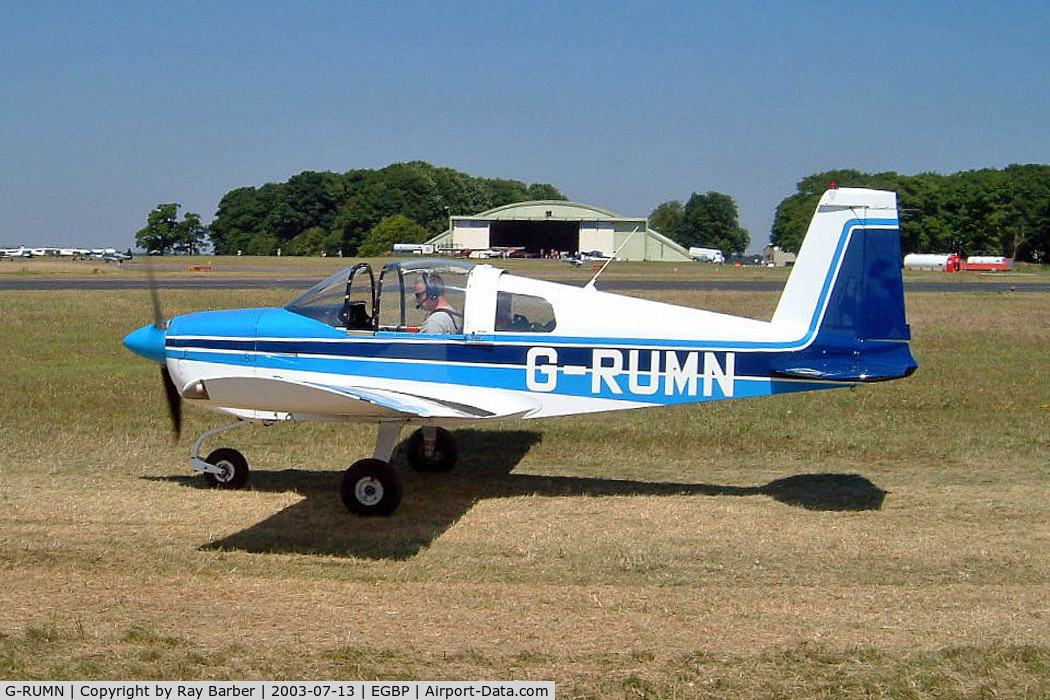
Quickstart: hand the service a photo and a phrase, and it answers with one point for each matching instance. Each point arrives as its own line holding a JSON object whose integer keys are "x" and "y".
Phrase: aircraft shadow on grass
{"x": 319, "y": 524}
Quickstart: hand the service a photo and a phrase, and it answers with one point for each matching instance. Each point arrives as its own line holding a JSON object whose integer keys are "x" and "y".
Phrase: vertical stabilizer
{"x": 845, "y": 294}
{"x": 848, "y": 269}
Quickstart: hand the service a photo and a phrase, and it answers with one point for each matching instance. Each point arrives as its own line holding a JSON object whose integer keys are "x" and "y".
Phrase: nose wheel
{"x": 229, "y": 469}
{"x": 224, "y": 468}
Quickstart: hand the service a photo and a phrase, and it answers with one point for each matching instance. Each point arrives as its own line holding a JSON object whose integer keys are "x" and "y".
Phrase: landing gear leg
{"x": 371, "y": 486}
{"x": 386, "y": 441}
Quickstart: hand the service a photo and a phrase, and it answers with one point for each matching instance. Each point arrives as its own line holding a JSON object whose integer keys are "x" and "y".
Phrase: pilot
{"x": 443, "y": 318}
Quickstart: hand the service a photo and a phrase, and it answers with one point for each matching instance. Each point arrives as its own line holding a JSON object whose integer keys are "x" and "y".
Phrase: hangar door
{"x": 536, "y": 236}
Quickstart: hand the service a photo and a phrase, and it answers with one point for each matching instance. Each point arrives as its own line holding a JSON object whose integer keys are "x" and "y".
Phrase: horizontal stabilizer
{"x": 846, "y": 370}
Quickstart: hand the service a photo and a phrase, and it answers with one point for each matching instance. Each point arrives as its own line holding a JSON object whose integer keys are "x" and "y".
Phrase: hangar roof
{"x": 545, "y": 210}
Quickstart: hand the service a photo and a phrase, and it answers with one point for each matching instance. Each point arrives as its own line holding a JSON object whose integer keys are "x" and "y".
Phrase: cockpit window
{"x": 424, "y": 296}
{"x": 523, "y": 313}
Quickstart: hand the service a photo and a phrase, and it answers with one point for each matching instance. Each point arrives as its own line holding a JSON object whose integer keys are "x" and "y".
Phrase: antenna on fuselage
{"x": 590, "y": 285}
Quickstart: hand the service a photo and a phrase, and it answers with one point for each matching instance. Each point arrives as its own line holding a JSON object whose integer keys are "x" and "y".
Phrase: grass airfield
{"x": 888, "y": 541}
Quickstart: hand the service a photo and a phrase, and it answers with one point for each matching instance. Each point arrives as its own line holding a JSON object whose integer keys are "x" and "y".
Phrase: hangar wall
{"x": 469, "y": 233}
{"x": 598, "y": 235}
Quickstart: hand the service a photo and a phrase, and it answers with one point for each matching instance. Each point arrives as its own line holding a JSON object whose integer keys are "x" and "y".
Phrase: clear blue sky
{"x": 109, "y": 108}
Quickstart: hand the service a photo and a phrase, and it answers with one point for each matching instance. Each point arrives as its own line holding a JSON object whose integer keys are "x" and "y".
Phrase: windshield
{"x": 323, "y": 301}
{"x": 342, "y": 300}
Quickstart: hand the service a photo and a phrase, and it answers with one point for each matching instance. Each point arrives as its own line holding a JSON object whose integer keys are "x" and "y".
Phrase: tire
{"x": 445, "y": 452}
{"x": 371, "y": 487}
{"x": 234, "y": 466}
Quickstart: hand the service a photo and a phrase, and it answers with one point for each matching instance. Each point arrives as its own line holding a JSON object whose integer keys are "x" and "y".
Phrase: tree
{"x": 163, "y": 232}
{"x": 240, "y": 218}
{"x": 190, "y": 234}
{"x": 710, "y": 221}
{"x": 666, "y": 217}
{"x": 391, "y": 230}
{"x": 544, "y": 192}
{"x": 158, "y": 236}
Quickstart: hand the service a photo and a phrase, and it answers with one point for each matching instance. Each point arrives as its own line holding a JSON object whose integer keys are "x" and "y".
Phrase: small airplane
{"x": 587, "y": 256}
{"x": 108, "y": 254}
{"x": 355, "y": 348}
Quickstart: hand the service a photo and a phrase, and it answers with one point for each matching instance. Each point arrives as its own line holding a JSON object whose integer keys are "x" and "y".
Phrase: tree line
{"x": 357, "y": 212}
{"x": 978, "y": 212}
{"x": 364, "y": 212}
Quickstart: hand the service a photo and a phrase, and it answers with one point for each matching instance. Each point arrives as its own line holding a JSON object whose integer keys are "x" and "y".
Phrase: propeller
{"x": 174, "y": 402}
{"x": 171, "y": 392}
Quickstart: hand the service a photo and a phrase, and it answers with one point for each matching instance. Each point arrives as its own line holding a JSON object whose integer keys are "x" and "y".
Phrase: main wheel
{"x": 371, "y": 487}
{"x": 234, "y": 468}
{"x": 441, "y": 458}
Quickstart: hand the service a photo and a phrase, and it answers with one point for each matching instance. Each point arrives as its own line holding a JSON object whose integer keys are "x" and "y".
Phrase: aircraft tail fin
{"x": 845, "y": 293}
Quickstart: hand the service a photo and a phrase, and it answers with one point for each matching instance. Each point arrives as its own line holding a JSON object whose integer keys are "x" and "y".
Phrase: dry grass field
{"x": 888, "y": 541}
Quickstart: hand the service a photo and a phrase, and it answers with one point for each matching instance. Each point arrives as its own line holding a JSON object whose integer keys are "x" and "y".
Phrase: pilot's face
{"x": 422, "y": 302}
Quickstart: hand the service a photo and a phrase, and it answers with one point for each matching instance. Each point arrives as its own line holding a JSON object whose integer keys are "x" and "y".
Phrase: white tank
{"x": 926, "y": 261}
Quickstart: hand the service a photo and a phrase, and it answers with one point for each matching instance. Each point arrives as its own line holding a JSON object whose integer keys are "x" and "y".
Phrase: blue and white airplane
{"x": 351, "y": 348}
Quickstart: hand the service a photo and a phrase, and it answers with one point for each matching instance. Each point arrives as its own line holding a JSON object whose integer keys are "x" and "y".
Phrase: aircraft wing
{"x": 296, "y": 397}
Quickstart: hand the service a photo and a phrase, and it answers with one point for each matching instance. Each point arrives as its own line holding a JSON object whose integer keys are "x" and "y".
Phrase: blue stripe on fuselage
{"x": 656, "y": 376}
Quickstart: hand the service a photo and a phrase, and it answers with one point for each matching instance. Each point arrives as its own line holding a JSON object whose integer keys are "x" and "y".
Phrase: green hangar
{"x": 544, "y": 228}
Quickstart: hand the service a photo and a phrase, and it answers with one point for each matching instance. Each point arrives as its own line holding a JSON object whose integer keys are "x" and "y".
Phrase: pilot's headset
{"x": 433, "y": 286}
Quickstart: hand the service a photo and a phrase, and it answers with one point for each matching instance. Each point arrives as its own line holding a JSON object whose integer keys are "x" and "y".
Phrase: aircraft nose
{"x": 148, "y": 342}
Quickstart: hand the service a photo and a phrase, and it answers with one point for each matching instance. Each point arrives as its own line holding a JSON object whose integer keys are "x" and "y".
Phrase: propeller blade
{"x": 158, "y": 314}
{"x": 174, "y": 402}
{"x": 151, "y": 345}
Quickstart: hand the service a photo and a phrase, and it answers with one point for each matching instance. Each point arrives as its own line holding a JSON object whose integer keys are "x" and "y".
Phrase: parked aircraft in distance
{"x": 357, "y": 349}
{"x": 51, "y": 252}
